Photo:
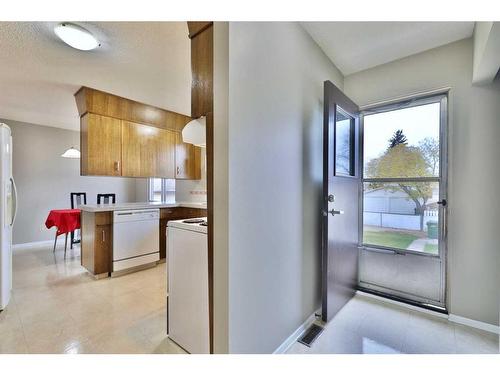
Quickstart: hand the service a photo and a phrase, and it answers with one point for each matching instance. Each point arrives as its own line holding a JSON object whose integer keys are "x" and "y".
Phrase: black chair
{"x": 106, "y": 198}
{"x": 76, "y": 200}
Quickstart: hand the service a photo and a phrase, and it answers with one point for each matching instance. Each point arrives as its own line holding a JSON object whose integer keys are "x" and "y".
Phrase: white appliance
{"x": 136, "y": 236}
{"x": 8, "y": 208}
{"x": 187, "y": 286}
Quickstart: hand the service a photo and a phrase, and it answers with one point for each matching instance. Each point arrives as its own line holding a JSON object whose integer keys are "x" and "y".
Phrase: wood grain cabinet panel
{"x": 97, "y": 242}
{"x": 100, "y": 145}
{"x": 187, "y": 160}
{"x": 103, "y": 249}
{"x": 147, "y": 151}
{"x": 165, "y": 155}
{"x": 201, "y": 35}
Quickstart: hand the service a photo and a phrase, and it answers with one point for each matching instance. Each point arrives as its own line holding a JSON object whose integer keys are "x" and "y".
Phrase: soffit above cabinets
{"x": 356, "y": 46}
{"x": 145, "y": 61}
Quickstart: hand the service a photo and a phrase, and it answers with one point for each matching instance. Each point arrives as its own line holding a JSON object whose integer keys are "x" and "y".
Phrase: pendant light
{"x": 71, "y": 153}
{"x": 195, "y": 132}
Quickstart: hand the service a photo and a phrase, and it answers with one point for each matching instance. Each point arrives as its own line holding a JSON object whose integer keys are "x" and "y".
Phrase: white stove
{"x": 187, "y": 285}
{"x": 198, "y": 224}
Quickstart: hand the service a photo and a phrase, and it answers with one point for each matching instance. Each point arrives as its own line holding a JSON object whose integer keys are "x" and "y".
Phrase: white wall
{"x": 44, "y": 180}
{"x": 474, "y": 133}
{"x": 276, "y": 75}
{"x": 193, "y": 190}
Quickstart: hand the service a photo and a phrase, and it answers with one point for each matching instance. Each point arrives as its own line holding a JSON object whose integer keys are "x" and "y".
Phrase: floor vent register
{"x": 312, "y": 333}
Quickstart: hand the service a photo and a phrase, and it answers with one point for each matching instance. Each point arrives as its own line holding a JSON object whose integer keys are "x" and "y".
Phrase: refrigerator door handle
{"x": 14, "y": 201}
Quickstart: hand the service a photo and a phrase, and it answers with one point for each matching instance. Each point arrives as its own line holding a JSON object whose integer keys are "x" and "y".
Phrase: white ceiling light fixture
{"x": 195, "y": 132}
{"x": 71, "y": 153}
{"x": 76, "y": 36}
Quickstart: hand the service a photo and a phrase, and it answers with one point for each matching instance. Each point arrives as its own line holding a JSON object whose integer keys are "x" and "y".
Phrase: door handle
{"x": 333, "y": 212}
{"x": 14, "y": 202}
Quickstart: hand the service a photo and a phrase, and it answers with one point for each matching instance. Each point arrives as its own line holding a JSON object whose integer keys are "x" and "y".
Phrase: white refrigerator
{"x": 8, "y": 207}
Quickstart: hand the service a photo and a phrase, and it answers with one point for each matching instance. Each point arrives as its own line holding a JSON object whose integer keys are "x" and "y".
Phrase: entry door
{"x": 341, "y": 187}
{"x": 403, "y": 237}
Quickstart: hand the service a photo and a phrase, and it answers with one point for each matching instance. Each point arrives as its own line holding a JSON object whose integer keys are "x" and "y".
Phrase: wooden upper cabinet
{"x": 187, "y": 160}
{"x": 165, "y": 155}
{"x": 100, "y": 145}
{"x": 121, "y": 137}
{"x": 147, "y": 151}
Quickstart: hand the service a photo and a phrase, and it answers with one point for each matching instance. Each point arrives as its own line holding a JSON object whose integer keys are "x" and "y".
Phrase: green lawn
{"x": 431, "y": 248}
{"x": 398, "y": 240}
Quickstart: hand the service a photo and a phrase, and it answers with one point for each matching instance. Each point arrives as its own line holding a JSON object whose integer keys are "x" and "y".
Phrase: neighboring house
{"x": 394, "y": 209}
{"x": 394, "y": 202}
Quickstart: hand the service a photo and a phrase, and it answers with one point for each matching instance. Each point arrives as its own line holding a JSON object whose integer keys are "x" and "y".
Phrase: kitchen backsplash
{"x": 193, "y": 190}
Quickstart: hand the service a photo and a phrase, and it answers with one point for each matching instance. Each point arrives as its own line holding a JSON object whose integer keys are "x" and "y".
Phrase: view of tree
{"x": 430, "y": 151}
{"x": 398, "y": 139}
{"x": 403, "y": 161}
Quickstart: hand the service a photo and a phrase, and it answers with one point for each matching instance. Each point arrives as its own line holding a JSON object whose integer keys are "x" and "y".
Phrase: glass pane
{"x": 404, "y": 216}
{"x": 344, "y": 126}
{"x": 402, "y": 143}
{"x": 155, "y": 193}
{"x": 169, "y": 190}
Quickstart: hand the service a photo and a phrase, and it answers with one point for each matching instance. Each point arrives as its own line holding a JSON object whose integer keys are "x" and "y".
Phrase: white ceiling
{"x": 356, "y": 46}
{"x": 145, "y": 61}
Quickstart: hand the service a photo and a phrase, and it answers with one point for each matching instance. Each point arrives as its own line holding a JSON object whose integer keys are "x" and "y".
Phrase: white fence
{"x": 398, "y": 221}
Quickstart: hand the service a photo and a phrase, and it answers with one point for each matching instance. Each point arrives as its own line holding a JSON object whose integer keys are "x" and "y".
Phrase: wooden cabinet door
{"x": 147, "y": 151}
{"x": 165, "y": 154}
{"x": 103, "y": 249}
{"x": 187, "y": 160}
{"x": 100, "y": 145}
{"x": 138, "y": 149}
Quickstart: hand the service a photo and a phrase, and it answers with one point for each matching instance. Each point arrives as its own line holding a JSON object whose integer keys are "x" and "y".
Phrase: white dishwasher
{"x": 136, "y": 238}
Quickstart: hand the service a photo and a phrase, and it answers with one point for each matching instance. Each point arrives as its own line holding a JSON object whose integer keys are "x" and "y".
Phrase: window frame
{"x": 442, "y": 179}
{"x": 352, "y": 143}
{"x": 164, "y": 190}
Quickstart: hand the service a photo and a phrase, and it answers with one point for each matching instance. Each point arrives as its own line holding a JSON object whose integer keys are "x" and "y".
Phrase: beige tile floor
{"x": 367, "y": 326}
{"x": 56, "y": 307}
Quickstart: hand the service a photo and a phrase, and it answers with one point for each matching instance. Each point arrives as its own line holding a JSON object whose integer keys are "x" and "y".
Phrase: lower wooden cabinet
{"x": 104, "y": 249}
{"x": 97, "y": 236}
{"x": 97, "y": 241}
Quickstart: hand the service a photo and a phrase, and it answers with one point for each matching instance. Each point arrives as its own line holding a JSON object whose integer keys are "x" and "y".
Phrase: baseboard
{"x": 451, "y": 317}
{"x": 296, "y": 334}
{"x": 35, "y": 244}
{"x": 474, "y": 323}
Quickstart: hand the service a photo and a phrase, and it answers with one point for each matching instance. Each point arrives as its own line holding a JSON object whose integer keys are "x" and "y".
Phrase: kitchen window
{"x": 161, "y": 190}
{"x": 402, "y": 176}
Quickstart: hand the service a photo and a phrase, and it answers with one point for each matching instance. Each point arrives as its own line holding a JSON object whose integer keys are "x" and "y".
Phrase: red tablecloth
{"x": 65, "y": 220}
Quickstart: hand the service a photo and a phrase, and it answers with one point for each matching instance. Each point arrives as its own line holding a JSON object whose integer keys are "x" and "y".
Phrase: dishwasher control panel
{"x": 136, "y": 215}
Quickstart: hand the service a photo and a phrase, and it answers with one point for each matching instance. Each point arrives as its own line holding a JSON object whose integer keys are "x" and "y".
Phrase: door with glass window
{"x": 340, "y": 211}
{"x": 403, "y": 236}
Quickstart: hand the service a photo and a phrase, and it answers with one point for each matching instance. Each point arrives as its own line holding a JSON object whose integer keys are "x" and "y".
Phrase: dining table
{"x": 66, "y": 221}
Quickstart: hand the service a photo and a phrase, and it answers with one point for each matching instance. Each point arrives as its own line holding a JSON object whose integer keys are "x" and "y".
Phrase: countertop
{"x": 138, "y": 206}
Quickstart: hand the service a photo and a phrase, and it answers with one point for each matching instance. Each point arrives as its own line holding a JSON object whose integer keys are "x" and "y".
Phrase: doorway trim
{"x": 440, "y": 95}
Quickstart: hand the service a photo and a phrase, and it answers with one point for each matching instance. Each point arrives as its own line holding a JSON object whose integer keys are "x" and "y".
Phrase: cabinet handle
{"x": 117, "y": 166}
{"x": 178, "y": 170}
{"x": 103, "y": 236}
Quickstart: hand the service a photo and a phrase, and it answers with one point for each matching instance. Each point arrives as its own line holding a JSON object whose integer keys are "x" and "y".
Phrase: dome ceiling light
{"x": 76, "y": 36}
